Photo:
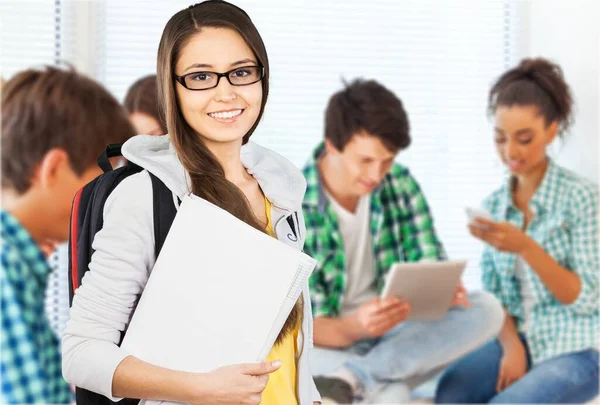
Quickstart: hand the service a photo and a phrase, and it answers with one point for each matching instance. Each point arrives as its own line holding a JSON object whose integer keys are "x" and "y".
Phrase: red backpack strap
{"x": 74, "y": 236}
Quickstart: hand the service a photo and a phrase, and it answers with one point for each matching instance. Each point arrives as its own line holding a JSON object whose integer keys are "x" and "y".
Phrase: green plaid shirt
{"x": 565, "y": 224}
{"x": 401, "y": 227}
{"x": 31, "y": 361}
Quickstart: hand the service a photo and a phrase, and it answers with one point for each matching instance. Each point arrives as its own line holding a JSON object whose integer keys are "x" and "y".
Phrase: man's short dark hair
{"x": 367, "y": 106}
{"x": 51, "y": 108}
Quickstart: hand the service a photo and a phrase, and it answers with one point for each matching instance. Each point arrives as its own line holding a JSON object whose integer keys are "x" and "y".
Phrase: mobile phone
{"x": 473, "y": 213}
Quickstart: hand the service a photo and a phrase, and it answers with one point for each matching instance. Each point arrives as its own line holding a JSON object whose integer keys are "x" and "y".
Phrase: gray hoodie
{"x": 124, "y": 257}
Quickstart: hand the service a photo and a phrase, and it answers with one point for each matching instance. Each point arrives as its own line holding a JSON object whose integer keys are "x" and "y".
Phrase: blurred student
{"x": 55, "y": 123}
{"x": 541, "y": 259}
{"x": 364, "y": 212}
{"x": 141, "y": 103}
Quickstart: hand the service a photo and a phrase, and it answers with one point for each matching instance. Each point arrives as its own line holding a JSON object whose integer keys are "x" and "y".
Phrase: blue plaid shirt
{"x": 565, "y": 224}
{"x": 31, "y": 362}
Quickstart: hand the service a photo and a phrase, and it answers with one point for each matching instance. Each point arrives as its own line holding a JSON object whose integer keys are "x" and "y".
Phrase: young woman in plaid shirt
{"x": 541, "y": 257}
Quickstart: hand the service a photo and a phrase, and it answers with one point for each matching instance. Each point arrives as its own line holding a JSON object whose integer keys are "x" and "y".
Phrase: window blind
{"x": 29, "y": 34}
{"x": 439, "y": 57}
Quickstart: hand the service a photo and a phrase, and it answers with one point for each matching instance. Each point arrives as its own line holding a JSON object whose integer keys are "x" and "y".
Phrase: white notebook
{"x": 219, "y": 293}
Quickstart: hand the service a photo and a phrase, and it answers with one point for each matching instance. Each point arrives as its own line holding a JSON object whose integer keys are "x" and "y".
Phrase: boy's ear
{"x": 52, "y": 168}
{"x": 330, "y": 148}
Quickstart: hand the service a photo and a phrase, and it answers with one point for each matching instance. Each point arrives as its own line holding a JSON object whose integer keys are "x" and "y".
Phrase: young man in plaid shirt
{"x": 364, "y": 213}
{"x": 55, "y": 123}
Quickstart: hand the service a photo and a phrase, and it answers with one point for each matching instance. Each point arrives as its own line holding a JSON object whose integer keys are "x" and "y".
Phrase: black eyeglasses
{"x": 242, "y": 76}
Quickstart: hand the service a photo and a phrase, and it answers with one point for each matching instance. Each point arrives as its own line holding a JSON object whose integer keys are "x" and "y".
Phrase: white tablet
{"x": 428, "y": 286}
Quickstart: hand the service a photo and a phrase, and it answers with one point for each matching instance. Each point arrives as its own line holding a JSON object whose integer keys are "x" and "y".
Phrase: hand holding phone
{"x": 474, "y": 213}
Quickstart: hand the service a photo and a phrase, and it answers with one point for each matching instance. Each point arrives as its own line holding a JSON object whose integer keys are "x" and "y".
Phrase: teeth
{"x": 224, "y": 115}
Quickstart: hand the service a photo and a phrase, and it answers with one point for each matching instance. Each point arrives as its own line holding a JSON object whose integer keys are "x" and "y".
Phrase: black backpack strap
{"x": 164, "y": 212}
{"x": 85, "y": 397}
{"x": 112, "y": 150}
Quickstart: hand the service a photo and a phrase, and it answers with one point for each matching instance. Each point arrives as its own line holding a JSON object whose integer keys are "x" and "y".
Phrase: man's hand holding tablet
{"x": 431, "y": 288}
{"x": 377, "y": 316}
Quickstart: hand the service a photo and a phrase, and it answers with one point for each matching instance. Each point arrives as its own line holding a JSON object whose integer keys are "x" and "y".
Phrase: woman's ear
{"x": 551, "y": 132}
{"x": 52, "y": 168}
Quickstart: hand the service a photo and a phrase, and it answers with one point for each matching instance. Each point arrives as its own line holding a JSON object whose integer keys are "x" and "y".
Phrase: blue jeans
{"x": 387, "y": 368}
{"x": 570, "y": 378}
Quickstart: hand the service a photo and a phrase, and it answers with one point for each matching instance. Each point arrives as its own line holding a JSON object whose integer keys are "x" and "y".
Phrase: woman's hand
{"x": 238, "y": 384}
{"x": 504, "y": 236}
{"x": 513, "y": 366}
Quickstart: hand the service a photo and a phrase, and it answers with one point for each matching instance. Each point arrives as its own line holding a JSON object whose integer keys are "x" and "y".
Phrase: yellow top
{"x": 281, "y": 388}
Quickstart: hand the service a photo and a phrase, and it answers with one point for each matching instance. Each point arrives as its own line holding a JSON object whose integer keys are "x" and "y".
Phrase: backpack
{"x": 87, "y": 219}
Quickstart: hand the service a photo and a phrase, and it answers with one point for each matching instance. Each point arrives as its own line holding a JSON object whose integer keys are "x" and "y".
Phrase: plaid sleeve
{"x": 323, "y": 301}
{"x": 489, "y": 276}
{"x": 22, "y": 375}
{"x": 585, "y": 255}
{"x": 316, "y": 285}
{"x": 420, "y": 240}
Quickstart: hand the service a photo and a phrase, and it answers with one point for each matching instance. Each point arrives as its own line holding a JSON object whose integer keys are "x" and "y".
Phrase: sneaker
{"x": 334, "y": 391}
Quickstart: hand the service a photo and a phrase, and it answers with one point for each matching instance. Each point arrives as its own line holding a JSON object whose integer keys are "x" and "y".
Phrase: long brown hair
{"x": 206, "y": 173}
{"x": 142, "y": 97}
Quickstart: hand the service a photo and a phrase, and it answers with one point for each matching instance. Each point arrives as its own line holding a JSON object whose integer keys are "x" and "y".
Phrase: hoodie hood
{"x": 281, "y": 182}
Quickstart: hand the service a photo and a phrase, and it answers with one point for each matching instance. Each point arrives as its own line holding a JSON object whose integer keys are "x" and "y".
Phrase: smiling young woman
{"x": 213, "y": 83}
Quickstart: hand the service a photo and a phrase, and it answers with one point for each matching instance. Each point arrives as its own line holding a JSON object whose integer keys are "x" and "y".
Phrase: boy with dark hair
{"x": 55, "y": 123}
{"x": 364, "y": 213}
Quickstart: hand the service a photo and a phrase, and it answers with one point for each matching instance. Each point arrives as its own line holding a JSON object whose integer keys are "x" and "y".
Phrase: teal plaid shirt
{"x": 565, "y": 224}
{"x": 401, "y": 227}
{"x": 31, "y": 361}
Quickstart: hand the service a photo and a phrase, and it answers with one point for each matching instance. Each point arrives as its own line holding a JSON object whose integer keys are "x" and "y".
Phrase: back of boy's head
{"x": 54, "y": 108}
{"x": 370, "y": 107}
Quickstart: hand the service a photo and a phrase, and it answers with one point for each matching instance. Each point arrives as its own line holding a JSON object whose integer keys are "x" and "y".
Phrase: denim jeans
{"x": 570, "y": 378}
{"x": 388, "y": 367}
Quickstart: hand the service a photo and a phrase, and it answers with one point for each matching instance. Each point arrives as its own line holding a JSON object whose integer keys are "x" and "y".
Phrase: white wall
{"x": 568, "y": 32}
